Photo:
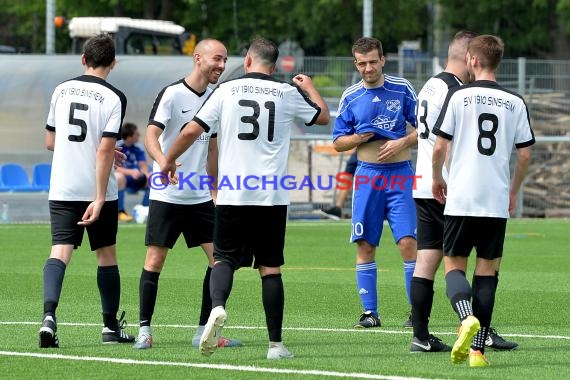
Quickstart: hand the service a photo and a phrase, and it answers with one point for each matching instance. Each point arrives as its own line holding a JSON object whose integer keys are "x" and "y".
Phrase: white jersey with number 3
{"x": 484, "y": 121}
{"x": 253, "y": 116}
{"x": 430, "y": 101}
{"x": 82, "y": 111}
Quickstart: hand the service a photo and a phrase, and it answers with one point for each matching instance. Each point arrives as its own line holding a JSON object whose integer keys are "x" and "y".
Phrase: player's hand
{"x": 120, "y": 158}
{"x": 303, "y": 81}
{"x": 439, "y": 190}
{"x": 92, "y": 213}
{"x": 363, "y": 137}
{"x": 214, "y": 195}
{"x": 169, "y": 169}
{"x": 389, "y": 149}
{"x": 136, "y": 174}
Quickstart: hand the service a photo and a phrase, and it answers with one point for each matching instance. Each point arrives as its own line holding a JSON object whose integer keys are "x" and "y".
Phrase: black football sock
{"x": 221, "y": 282}
{"x": 483, "y": 304}
{"x": 273, "y": 296}
{"x": 421, "y": 292}
{"x": 206, "y": 300}
{"x": 54, "y": 271}
{"x": 459, "y": 293}
{"x": 109, "y": 283}
{"x": 148, "y": 289}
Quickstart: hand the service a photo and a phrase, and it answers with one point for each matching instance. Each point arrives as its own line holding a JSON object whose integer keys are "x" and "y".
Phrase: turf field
{"x": 532, "y": 308}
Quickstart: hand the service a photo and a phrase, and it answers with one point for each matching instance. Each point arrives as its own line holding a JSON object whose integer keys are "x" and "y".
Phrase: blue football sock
{"x": 121, "y": 200}
{"x": 409, "y": 267}
{"x": 145, "y": 200}
{"x": 366, "y": 277}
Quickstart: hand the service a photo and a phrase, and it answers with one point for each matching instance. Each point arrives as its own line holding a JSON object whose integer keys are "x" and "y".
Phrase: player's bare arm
{"x": 151, "y": 143}
{"x": 523, "y": 161}
{"x": 212, "y": 165}
{"x": 103, "y": 164}
{"x": 439, "y": 187}
{"x": 348, "y": 142}
{"x": 50, "y": 140}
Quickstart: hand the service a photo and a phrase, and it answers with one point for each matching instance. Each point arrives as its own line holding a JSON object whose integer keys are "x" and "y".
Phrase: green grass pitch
{"x": 321, "y": 306}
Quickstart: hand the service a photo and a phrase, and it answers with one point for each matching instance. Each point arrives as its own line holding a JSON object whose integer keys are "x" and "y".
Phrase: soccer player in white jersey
{"x": 188, "y": 209}
{"x": 83, "y": 125}
{"x": 373, "y": 116}
{"x": 430, "y": 219}
{"x": 252, "y": 116}
{"x": 482, "y": 121}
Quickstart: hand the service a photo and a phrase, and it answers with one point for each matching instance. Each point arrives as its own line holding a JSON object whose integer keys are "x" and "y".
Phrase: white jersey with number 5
{"x": 430, "y": 101}
{"x": 82, "y": 111}
{"x": 252, "y": 116}
{"x": 484, "y": 121}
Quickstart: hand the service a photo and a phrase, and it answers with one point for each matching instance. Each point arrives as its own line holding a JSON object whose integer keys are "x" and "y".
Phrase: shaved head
{"x": 458, "y": 45}
{"x": 208, "y": 45}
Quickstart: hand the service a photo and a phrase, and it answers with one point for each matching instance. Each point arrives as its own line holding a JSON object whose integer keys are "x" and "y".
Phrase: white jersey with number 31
{"x": 253, "y": 116}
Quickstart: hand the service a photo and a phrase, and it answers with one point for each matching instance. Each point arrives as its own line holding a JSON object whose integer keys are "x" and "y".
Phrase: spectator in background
{"x": 134, "y": 172}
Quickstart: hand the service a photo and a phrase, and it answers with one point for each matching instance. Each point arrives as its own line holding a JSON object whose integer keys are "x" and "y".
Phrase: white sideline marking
{"x": 316, "y": 329}
{"x": 210, "y": 366}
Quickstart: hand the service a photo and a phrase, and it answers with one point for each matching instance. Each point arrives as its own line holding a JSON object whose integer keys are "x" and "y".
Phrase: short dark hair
{"x": 99, "y": 51}
{"x": 265, "y": 50}
{"x": 488, "y": 49}
{"x": 365, "y": 45}
{"x": 127, "y": 130}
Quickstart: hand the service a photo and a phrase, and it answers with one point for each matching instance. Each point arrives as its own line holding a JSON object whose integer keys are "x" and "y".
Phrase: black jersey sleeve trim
{"x": 157, "y": 124}
{"x": 525, "y": 144}
{"x": 50, "y": 128}
{"x": 440, "y": 133}
{"x": 202, "y": 124}
{"x": 111, "y": 134}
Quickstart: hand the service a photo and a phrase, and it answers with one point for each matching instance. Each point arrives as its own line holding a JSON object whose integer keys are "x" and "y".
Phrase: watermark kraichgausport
{"x": 340, "y": 181}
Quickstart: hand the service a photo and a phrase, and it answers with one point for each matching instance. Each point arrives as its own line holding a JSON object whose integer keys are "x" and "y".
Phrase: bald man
{"x": 187, "y": 209}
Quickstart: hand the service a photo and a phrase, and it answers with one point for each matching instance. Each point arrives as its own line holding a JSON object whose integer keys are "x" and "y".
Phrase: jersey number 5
{"x": 79, "y": 122}
{"x": 252, "y": 119}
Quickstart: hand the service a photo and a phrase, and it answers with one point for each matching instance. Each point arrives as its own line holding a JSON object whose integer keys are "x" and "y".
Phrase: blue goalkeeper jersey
{"x": 383, "y": 110}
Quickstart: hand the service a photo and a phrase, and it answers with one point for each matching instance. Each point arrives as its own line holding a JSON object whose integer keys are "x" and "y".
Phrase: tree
{"x": 526, "y": 26}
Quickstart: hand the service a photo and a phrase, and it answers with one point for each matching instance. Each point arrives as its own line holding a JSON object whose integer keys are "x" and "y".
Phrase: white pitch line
{"x": 226, "y": 367}
{"x": 309, "y": 329}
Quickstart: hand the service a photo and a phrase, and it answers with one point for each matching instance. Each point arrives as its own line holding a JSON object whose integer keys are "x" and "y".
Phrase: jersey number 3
{"x": 252, "y": 119}
{"x": 79, "y": 122}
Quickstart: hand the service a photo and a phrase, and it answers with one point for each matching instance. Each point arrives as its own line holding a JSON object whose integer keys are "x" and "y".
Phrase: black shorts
{"x": 246, "y": 232}
{"x": 166, "y": 221}
{"x": 430, "y": 220}
{"x": 463, "y": 233}
{"x": 64, "y": 216}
